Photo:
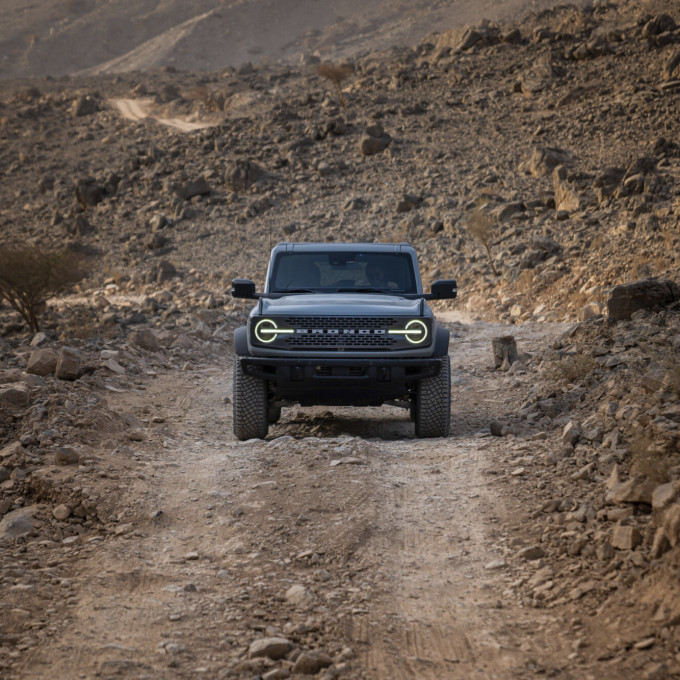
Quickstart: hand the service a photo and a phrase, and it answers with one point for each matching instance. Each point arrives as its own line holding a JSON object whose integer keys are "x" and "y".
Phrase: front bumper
{"x": 341, "y": 381}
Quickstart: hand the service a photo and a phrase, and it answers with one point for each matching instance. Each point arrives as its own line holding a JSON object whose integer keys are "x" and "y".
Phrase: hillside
{"x": 536, "y": 161}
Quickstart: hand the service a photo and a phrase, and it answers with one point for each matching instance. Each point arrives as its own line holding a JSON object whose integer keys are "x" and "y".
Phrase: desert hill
{"x": 59, "y": 37}
{"x": 536, "y": 160}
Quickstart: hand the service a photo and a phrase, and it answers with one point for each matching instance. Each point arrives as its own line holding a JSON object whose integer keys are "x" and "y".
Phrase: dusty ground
{"x": 401, "y": 544}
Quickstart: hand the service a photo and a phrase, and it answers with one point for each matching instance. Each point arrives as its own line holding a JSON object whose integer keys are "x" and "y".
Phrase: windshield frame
{"x": 333, "y": 271}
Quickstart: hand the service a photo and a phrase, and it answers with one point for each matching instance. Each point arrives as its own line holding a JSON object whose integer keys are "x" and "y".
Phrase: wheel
{"x": 433, "y": 404}
{"x": 251, "y": 410}
{"x": 273, "y": 413}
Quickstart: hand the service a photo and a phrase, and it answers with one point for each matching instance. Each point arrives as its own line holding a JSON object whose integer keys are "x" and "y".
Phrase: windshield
{"x": 343, "y": 271}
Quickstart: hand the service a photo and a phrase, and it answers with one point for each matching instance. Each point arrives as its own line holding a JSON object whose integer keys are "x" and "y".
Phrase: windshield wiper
{"x": 297, "y": 290}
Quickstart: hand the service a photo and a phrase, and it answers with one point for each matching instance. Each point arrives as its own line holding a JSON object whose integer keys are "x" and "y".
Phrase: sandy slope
{"x": 56, "y": 37}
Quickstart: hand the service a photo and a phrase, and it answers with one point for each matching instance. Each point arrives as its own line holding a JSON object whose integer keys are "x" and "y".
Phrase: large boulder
{"x": 643, "y": 294}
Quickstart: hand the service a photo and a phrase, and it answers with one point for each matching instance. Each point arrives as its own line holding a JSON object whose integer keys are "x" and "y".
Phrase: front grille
{"x": 340, "y": 321}
{"x": 329, "y": 341}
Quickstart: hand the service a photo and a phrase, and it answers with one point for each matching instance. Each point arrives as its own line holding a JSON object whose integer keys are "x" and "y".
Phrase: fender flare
{"x": 441, "y": 342}
{"x": 241, "y": 341}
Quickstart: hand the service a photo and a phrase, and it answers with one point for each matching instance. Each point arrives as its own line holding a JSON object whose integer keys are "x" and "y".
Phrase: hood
{"x": 342, "y": 304}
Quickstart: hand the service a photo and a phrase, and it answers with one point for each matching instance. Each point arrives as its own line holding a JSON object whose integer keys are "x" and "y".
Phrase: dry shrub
{"x": 30, "y": 275}
{"x": 481, "y": 226}
{"x": 336, "y": 74}
{"x": 651, "y": 459}
{"x": 572, "y": 369}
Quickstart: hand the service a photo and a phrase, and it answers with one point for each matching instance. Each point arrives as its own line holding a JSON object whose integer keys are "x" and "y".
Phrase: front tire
{"x": 251, "y": 410}
{"x": 433, "y": 404}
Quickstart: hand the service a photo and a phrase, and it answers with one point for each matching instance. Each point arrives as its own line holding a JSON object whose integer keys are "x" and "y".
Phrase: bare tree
{"x": 481, "y": 226}
{"x": 336, "y": 74}
{"x": 29, "y": 276}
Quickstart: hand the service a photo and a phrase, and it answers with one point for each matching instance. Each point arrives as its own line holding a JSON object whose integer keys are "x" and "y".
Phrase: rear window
{"x": 346, "y": 270}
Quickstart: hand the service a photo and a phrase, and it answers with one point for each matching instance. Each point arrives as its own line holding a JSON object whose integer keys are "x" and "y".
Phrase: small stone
{"x": 61, "y": 512}
{"x": 671, "y": 524}
{"x": 136, "y": 435}
{"x": 369, "y": 145}
{"x": 66, "y": 455}
{"x": 191, "y": 556}
{"x": 146, "y": 339}
{"x": 310, "y": 663}
{"x": 495, "y": 564}
{"x": 16, "y": 395}
{"x": 18, "y": 522}
{"x": 571, "y": 432}
{"x": 533, "y": 552}
{"x": 496, "y": 428}
{"x": 68, "y": 364}
{"x": 299, "y": 595}
{"x": 348, "y": 460}
{"x": 42, "y": 362}
{"x": 664, "y": 495}
{"x": 272, "y": 648}
{"x": 625, "y": 537}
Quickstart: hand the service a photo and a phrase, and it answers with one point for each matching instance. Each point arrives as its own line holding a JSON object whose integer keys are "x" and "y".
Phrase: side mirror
{"x": 444, "y": 289}
{"x": 243, "y": 288}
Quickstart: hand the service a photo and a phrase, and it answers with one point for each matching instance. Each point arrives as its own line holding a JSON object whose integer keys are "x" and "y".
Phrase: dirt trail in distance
{"x": 395, "y": 544}
{"x": 142, "y": 109}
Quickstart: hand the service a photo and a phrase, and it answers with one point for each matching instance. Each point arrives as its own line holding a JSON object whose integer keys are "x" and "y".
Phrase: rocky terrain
{"x": 537, "y": 162}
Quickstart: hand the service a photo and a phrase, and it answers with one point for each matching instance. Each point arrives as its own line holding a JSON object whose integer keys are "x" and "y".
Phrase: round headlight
{"x": 416, "y": 331}
{"x": 266, "y": 330}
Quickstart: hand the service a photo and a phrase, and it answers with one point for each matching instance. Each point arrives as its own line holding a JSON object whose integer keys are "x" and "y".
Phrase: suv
{"x": 341, "y": 325}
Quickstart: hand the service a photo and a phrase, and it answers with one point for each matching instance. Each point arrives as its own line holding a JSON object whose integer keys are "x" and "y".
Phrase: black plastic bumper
{"x": 341, "y": 381}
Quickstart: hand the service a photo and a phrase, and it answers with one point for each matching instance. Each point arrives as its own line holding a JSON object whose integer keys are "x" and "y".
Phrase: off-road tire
{"x": 273, "y": 414}
{"x": 433, "y": 404}
{"x": 251, "y": 410}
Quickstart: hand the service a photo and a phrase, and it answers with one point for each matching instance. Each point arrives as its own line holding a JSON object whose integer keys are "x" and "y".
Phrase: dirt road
{"x": 360, "y": 545}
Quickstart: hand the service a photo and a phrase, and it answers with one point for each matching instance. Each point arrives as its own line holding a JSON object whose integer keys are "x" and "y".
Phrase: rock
{"x": 533, "y": 552}
{"x": 68, "y": 363}
{"x": 272, "y": 648}
{"x": 61, "y": 512}
{"x": 496, "y": 428}
{"x": 348, "y": 460}
{"x": 643, "y": 294}
{"x": 324, "y": 169}
{"x": 664, "y": 495}
{"x": 243, "y": 174}
{"x": 42, "y": 362}
{"x": 544, "y": 160}
{"x": 660, "y": 544}
{"x": 196, "y": 187}
{"x": 39, "y": 339}
{"x": 571, "y": 432}
{"x": 13, "y": 449}
{"x": 671, "y": 524}
{"x": 568, "y": 192}
{"x": 18, "y": 522}
{"x": 310, "y": 663}
{"x": 17, "y": 395}
{"x": 671, "y": 68}
{"x": 163, "y": 271}
{"x": 146, "y": 339}
{"x": 504, "y": 350}
{"x": 637, "y": 489}
{"x": 369, "y": 146}
{"x": 84, "y": 106}
{"x": 66, "y": 455}
{"x": 625, "y": 537}
{"x": 300, "y": 595}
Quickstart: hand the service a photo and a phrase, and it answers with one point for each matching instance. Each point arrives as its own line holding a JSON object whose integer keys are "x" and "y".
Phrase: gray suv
{"x": 341, "y": 325}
